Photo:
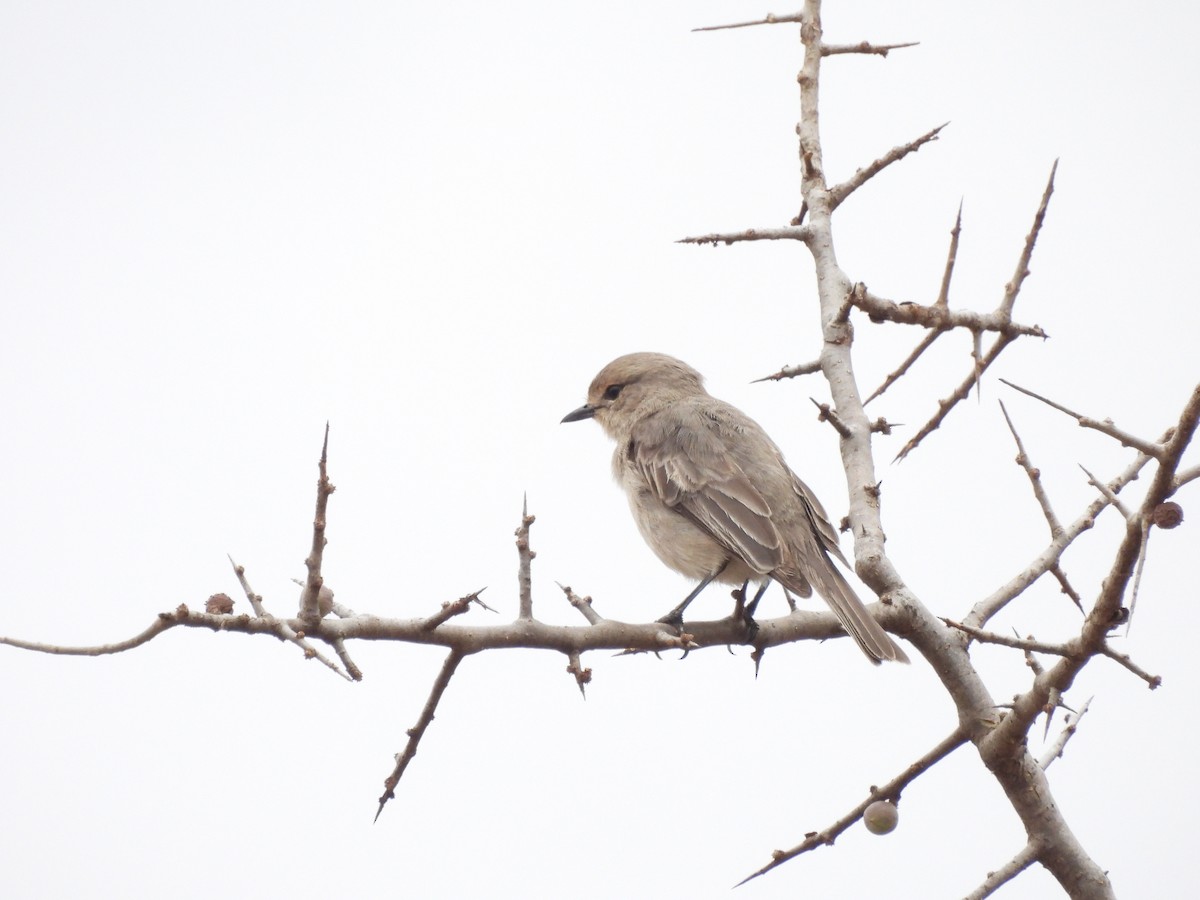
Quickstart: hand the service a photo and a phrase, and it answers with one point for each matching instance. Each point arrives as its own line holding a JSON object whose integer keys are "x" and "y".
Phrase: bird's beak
{"x": 584, "y": 412}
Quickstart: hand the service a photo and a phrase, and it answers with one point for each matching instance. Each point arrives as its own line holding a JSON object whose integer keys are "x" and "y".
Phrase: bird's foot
{"x": 674, "y": 619}
{"x": 751, "y": 626}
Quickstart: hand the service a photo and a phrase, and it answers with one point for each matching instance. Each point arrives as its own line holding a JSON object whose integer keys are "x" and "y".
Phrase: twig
{"x": 1184, "y": 477}
{"x": 339, "y": 647}
{"x": 827, "y": 414}
{"x": 1049, "y": 557}
{"x": 1153, "y": 681}
{"x": 1104, "y": 427}
{"x": 157, "y": 627}
{"x": 925, "y": 344}
{"x": 771, "y": 19}
{"x": 1003, "y": 313}
{"x": 1055, "y": 750}
{"x": 1104, "y": 489}
{"x": 1013, "y": 288}
{"x": 865, "y": 47}
{"x": 310, "y": 597}
{"x": 786, "y": 233}
{"x": 808, "y": 368}
{"x": 890, "y": 791}
{"x": 942, "y": 302}
{"x": 943, "y": 298}
{"x": 1035, "y": 478}
{"x": 839, "y": 192}
{"x": 879, "y": 309}
{"x": 418, "y": 731}
{"x": 451, "y": 609}
{"x": 583, "y": 604}
{"x": 583, "y": 675}
{"x": 991, "y": 637}
{"x": 1105, "y": 612}
{"x": 960, "y": 393}
{"x": 526, "y": 555}
{"x": 280, "y": 628}
{"x": 1007, "y": 872}
{"x": 1065, "y": 585}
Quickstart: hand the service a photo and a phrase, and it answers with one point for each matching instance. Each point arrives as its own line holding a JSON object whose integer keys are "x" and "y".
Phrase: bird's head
{"x": 634, "y": 386}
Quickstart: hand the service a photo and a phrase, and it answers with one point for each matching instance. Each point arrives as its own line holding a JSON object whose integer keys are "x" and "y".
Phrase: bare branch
{"x": 418, "y": 731}
{"x": 1065, "y": 585}
{"x": 787, "y": 233}
{"x": 1108, "y": 493}
{"x": 292, "y": 633}
{"x": 771, "y": 19}
{"x": 925, "y": 344}
{"x": 890, "y": 791}
{"x": 827, "y": 414}
{"x": 959, "y": 394}
{"x": 990, "y": 637}
{"x": 1055, "y": 750}
{"x": 1006, "y": 873}
{"x": 1184, "y": 477}
{"x": 1013, "y": 288}
{"x": 839, "y": 192}
{"x": 1153, "y": 681}
{"x": 310, "y": 596}
{"x": 865, "y": 47}
{"x": 583, "y": 675}
{"x": 164, "y": 622}
{"x": 583, "y": 604}
{"x": 943, "y": 298}
{"x": 450, "y": 610}
{"x": 1104, "y": 427}
{"x": 1035, "y": 479}
{"x": 1105, "y": 612}
{"x": 808, "y": 368}
{"x": 352, "y": 669}
{"x": 938, "y": 317}
{"x": 1049, "y": 557}
{"x": 524, "y": 578}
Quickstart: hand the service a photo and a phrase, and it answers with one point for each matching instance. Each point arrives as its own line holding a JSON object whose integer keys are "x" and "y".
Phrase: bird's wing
{"x": 692, "y": 470}
{"x": 819, "y": 519}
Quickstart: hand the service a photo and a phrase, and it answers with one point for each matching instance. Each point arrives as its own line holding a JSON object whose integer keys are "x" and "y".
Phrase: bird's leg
{"x": 762, "y": 589}
{"x": 739, "y": 599}
{"x": 675, "y": 616}
{"x": 745, "y": 611}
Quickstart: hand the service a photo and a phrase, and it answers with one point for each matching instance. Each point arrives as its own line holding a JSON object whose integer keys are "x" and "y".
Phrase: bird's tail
{"x": 858, "y": 622}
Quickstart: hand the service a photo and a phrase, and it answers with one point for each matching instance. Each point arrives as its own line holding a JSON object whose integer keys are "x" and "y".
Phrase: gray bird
{"x": 712, "y": 495}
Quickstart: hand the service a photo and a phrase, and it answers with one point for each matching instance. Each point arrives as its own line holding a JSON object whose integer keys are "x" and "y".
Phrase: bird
{"x": 713, "y": 496}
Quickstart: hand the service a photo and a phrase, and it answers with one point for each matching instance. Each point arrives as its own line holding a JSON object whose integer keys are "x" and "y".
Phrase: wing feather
{"x": 702, "y": 480}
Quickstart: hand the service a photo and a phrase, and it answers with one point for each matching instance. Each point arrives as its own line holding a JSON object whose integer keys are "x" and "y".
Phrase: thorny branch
{"x": 890, "y": 791}
{"x": 1104, "y": 427}
{"x": 404, "y": 757}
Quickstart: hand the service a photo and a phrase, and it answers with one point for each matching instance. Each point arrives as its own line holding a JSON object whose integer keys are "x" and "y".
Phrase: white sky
{"x": 225, "y": 223}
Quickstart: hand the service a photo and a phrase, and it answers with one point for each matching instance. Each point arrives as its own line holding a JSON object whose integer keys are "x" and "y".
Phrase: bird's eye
{"x": 613, "y": 391}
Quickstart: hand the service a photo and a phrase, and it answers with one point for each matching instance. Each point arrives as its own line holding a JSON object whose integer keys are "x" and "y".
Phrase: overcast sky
{"x": 224, "y": 224}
